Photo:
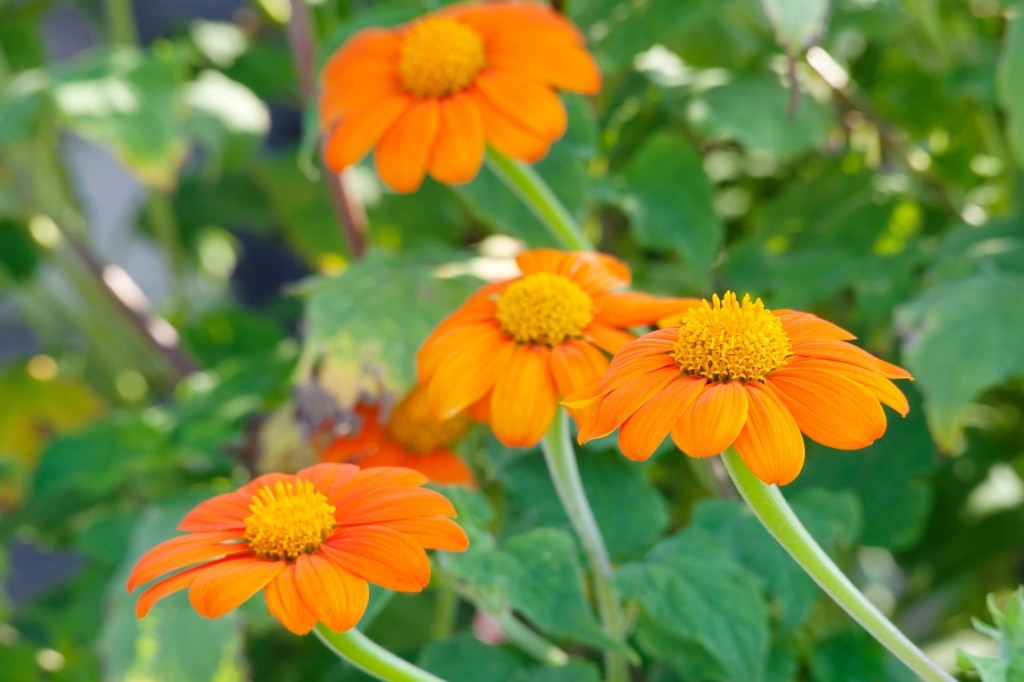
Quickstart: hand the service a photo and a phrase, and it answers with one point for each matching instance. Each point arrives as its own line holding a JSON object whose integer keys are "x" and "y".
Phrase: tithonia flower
{"x": 736, "y": 373}
{"x": 515, "y": 346}
{"x": 410, "y": 437}
{"x": 431, "y": 93}
{"x": 310, "y": 541}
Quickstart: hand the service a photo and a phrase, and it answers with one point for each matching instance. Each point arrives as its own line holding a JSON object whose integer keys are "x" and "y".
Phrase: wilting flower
{"x": 410, "y": 437}
{"x": 735, "y": 373}
{"x": 515, "y": 346}
{"x": 431, "y": 93}
{"x": 310, "y": 541}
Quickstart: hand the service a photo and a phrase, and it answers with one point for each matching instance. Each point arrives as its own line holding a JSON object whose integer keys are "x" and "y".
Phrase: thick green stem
{"x": 778, "y": 518}
{"x": 354, "y": 647}
{"x": 529, "y": 641}
{"x": 538, "y": 197}
{"x": 565, "y": 474}
{"x": 121, "y": 22}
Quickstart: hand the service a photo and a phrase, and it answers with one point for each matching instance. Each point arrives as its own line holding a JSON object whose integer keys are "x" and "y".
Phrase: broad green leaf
{"x": 21, "y": 105}
{"x": 753, "y": 110}
{"x": 1011, "y": 95}
{"x": 853, "y": 656}
{"x": 372, "y": 318}
{"x": 832, "y": 519}
{"x": 125, "y": 100}
{"x": 889, "y": 478}
{"x": 463, "y": 658}
{"x": 703, "y": 611}
{"x": 798, "y": 24}
{"x": 630, "y": 511}
{"x": 956, "y": 348}
{"x": 537, "y": 574}
{"x": 972, "y": 250}
{"x": 667, "y": 197}
{"x": 173, "y": 642}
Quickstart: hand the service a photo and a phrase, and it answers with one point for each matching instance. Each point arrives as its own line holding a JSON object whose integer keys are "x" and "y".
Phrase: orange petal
{"x": 595, "y": 272}
{"x": 370, "y": 482}
{"x": 183, "y": 551}
{"x": 285, "y": 602}
{"x": 404, "y": 150}
{"x": 358, "y": 89}
{"x": 831, "y": 409}
{"x": 372, "y": 45}
{"x": 619, "y": 405}
{"x": 884, "y": 390}
{"x": 770, "y": 443}
{"x": 381, "y": 555}
{"x": 165, "y": 587}
{"x": 840, "y": 351}
{"x": 577, "y": 365}
{"x": 608, "y": 338}
{"x": 524, "y": 400}
{"x": 641, "y": 434}
{"x": 631, "y": 309}
{"x": 329, "y": 478}
{"x": 337, "y": 597}
{"x": 800, "y": 325}
{"x": 220, "y": 513}
{"x": 621, "y": 373}
{"x": 392, "y": 502}
{"x": 532, "y": 105}
{"x": 441, "y": 466}
{"x": 439, "y": 347}
{"x": 459, "y": 151}
{"x": 225, "y": 586}
{"x": 555, "y": 62}
{"x": 432, "y": 532}
{"x": 465, "y": 377}
{"x": 506, "y": 135}
{"x": 713, "y": 420}
{"x": 359, "y": 131}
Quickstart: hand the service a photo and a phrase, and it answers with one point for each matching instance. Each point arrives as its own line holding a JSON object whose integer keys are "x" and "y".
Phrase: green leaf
{"x": 956, "y": 348}
{"x": 668, "y": 199}
{"x": 703, "y": 612}
{"x": 1011, "y": 95}
{"x": 1009, "y": 635}
{"x": 227, "y": 118}
{"x": 832, "y": 519}
{"x": 173, "y": 642}
{"x": 372, "y": 318}
{"x": 464, "y": 658}
{"x": 630, "y": 511}
{"x": 21, "y": 105}
{"x": 853, "y": 656}
{"x": 538, "y": 574}
{"x": 18, "y": 256}
{"x": 753, "y": 110}
{"x": 125, "y": 100}
{"x": 798, "y": 24}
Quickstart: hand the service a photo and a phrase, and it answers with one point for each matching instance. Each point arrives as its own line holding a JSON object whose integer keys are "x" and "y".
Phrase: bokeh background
{"x": 173, "y": 282}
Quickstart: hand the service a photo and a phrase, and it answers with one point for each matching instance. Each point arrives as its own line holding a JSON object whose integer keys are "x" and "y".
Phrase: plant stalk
{"x": 778, "y": 518}
{"x": 356, "y": 648}
{"x": 565, "y": 474}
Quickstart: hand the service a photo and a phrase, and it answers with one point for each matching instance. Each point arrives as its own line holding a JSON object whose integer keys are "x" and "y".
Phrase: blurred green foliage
{"x": 860, "y": 159}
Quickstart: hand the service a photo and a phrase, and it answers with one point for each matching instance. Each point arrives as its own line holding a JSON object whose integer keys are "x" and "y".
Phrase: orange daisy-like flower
{"x": 410, "y": 437}
{"x": 515, "y": 346}
{"x": 736, "y": 373}
{"x": 431, "y": 93}
{"x": 310, "y": 541}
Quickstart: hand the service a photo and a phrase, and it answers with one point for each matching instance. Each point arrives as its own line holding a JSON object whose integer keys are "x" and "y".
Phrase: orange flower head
{"x": 515, "y": 346}
{"x": 431, "y": 94}
{"x": 734, "y": 373}
{"x": 311, "y": 542}
{"x": 410, "y": 437}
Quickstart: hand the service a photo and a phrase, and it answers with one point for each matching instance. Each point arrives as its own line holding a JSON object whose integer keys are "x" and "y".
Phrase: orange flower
{"x": 411, "y": 437}
{"x": 738, "y": 374}
{"x": 515, "y": 346}
{"x": 429, "y": 94}
{"x": 311, "y": 541}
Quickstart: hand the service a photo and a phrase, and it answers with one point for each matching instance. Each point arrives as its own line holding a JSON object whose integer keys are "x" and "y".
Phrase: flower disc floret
{"x": 731, "y": 340}
{"x": 417, "y": 430}
{"x": 288, "y": 519}
{"x": 544, "y": 308}
{"x": 440, "y": 57}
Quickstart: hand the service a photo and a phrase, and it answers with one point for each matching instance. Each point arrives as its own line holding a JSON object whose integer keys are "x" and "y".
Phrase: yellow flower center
{"x": 544, "y": 308}
{"x": 288, "y": 520}
{"x": 413, "y": 426}
{"x": 727, "y": 340}
{"x": 440, "y": 57}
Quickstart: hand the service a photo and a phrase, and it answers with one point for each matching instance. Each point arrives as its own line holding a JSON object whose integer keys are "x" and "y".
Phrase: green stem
{"x": 538, "y": 197}
{"x": 565, "y": 474}
{"x": 778, "y": 518}
{"x": 356, "y": 648}
{"x": 161, "y": 216}
{"x": 528, "y": 641}
{"x": 121, "y": 22}
{"x": 445, "y": 610}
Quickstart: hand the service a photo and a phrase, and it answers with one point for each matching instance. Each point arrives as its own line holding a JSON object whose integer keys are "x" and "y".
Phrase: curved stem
{"x": 354, "y": 647}
{"x": 565, "y": 474}
{"x": 538, "y": 197}
{"x": 529, "y": 641}
{"x": 778, "y": 518}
